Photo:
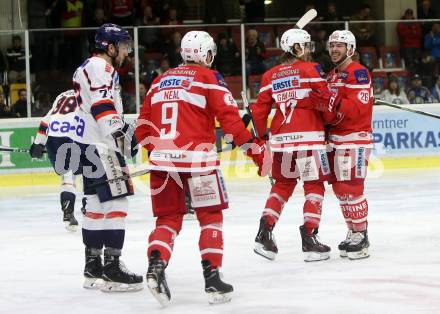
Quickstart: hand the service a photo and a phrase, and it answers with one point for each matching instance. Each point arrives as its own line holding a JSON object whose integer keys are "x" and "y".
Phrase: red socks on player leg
{"x": 211, "y": 237}
{"x": 279, "y": 195}
{"x": 162, "y": 238}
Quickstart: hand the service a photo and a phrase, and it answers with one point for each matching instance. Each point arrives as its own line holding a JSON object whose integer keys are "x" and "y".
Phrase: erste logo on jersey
{"x": 176, "y": 81}
{"x": 361, "y": 76}
{"x": 285, "y": 83}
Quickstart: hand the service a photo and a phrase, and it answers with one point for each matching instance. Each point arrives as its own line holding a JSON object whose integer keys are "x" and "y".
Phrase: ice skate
{"x": 265, "y": 244}
{"x": 93, "y": 269}
{"x": 343, "y": 245}
{"x": 217, "y": 290}
{"x": 68, "y": 206}
{"x": 156, "y": 280}
{"x": 117, "y": 278}
{"x": 358, "y": 246}
{"x": 313, "y": 249}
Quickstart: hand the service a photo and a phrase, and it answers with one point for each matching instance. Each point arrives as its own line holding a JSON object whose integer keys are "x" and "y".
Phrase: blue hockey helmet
{"x": 112, "y": 34}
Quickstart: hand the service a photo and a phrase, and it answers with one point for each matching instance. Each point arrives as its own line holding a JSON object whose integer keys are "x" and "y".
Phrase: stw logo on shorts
{"x": 176, "y": 81}
{"x": 203, "y": 191}
{"x": 285, "y": 83}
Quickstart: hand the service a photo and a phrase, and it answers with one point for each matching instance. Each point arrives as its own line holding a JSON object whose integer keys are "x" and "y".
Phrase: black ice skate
{"x": 265, "y": 244}
{"x": 93, "y": 269}
{"x": 343, "y": 245}
{"x": 68, "y": 206}
{"x": 312, "y": 248}
{"x": 156, "y": 280}
{"x": 217, "y": 290}
{"x": 358, "y": 246}
{"x": 116, "y": 276}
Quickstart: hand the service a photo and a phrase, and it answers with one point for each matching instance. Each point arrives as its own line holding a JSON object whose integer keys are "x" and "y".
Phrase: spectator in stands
{"x": 394, "y": 93}
{"x": 43, "y": 103}
{"x": 170, "y": 20}
{"x": 417, "y": 93}
{"x": 17, "y": 61}
{"x": 432, "y": 44}
{"x": 71, "y": 17}
{"x": 142, "y": 92}
{"x": 436, "y": 90}
{"x": 19, "y": 109}
{"x": 122, "y": 12}
{"x": 5, "y": 111}
{"x": 150, "y": 76}
{"x": 227, "y": 60}
{"x": 255, "y": 53}
{"x": 410, "y": 37}
{"x": 425, "y": 12}
{"x": 148, "y": 36}
{"x": 332, "y": 16}
{"x": 364, "y": 32}
{"x": 427, "y": 68}
{"x": 255, "y": 10}
{"x": 173, "y": 50}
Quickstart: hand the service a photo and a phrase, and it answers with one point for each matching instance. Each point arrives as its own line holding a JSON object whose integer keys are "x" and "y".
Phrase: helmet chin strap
{"x": 343, "y": 62}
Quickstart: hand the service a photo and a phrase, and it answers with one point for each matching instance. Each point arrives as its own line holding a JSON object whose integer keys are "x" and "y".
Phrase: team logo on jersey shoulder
{"x": 220, "y": 80}
{"x": 361, "y": 75}
{"x": 320, "y": 71}
{"x": 285, "y": 83}
{"x": 176, "y": 81}
{"x": 344, "y": 75}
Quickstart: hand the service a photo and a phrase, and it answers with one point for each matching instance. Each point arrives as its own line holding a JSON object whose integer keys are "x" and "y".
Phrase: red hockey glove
{"x": 256, "y": 149}
{"x": 324, "y": 100}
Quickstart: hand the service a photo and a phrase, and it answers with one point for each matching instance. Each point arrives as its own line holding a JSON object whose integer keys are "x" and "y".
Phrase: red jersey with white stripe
{"x": 96, "y": 85}
{"x": 352, "y": 127}
{"x": 177, "y": 119}
{"x": 285, "y": 87}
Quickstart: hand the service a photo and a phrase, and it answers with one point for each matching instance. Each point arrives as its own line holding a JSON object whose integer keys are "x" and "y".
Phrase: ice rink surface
{"x": 41, "y": 263}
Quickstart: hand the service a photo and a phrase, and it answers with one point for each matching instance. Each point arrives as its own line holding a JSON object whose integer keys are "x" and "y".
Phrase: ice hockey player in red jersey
{"x": 177, "y": 127}
{"x": 348, "y": 106}
{"x": 297, "y": 140}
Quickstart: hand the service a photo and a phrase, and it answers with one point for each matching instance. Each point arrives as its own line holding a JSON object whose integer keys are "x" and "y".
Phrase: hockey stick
{"x": 121, "y": 178}
{"x": 386, "y": 103}
{"x": 248, "y": 109}
{"x": 14, "y": 149}
{"x": 306, "y": 18}
{"x": 246, "y": 118}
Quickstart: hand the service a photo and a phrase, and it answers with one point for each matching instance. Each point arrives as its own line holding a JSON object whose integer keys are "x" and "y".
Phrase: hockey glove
{"x": 325, "y": 100}
{"x": 126, "y": 141}
{"x": 36, "y": 150}
{"x": 256, "y": 149}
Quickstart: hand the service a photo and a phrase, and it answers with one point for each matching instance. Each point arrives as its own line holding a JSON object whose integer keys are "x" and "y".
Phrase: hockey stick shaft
{"x": 386, "y": 103}
{"x": 121, "y": 178}
{"x": 14, "y": 149}
{"x": 248, "y": 110}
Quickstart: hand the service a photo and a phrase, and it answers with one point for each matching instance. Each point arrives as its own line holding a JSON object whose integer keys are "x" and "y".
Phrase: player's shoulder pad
{"x": 316, "y": 66}
{"x": 219, "y": 79}
{"x": 100, "y": 66}
{"x": 360, "y": 73}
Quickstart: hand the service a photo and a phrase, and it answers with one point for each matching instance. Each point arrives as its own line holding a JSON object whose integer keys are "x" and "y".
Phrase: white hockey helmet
{"x": 195, "y": 46}
{"x": 346, "y": 37}
{"x": 295, "y": 36}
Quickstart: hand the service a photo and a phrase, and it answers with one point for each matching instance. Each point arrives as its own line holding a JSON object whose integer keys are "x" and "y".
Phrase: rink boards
{"x": 402, "y": 140}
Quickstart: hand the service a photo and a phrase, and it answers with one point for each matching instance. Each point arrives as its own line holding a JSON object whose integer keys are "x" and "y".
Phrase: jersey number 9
{"x": 169, "y": 116}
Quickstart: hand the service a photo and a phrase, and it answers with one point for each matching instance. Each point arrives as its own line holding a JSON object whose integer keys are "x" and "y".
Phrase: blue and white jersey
{"x": 96, "y": 85}
{"x": 62, "y": 120}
